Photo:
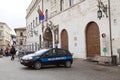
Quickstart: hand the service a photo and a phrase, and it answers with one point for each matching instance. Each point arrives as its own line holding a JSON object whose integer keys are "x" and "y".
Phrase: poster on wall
{"x": 104, "y": 43}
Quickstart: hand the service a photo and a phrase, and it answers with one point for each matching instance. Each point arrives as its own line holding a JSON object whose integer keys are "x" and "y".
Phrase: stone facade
{"x": 70, "y": 25}
{"x": 20, "y": 37}
{"x": 5, "y": 35}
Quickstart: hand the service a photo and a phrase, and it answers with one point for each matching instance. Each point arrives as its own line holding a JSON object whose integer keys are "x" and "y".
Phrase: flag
{"x": 41, "y": 15}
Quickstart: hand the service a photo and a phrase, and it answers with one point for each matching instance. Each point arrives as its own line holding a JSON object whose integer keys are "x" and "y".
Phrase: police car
{"x": 53, "y": 56}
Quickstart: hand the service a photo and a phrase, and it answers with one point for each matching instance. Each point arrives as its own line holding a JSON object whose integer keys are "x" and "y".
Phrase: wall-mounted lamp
{"x": 102, "y": 9}
{"x": 99, "y": 14}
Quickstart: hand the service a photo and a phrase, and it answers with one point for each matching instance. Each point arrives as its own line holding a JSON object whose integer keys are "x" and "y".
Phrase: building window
{"x": 71, "y": 2}
{"x": 36, "y": 46}
{"x": 21, "y": 42}
{"x": 33, "y": 23}
{"x": 21, "y": 33}
{"x": 46, "y": 14}
{"x": 1, "y": 27}
{"x": 1, "y": 42}
{"x": 0, "y": 33}
{"x": 36, "y": 21}
{"x": 61, "y": 5}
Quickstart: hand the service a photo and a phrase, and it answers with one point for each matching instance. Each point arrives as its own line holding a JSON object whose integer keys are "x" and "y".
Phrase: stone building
{"x": 85, "y": 27}
{"x": 5, "y": 35}
{"x": 20, "y": 37}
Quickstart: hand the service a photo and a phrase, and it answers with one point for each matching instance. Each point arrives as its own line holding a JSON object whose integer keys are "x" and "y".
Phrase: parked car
{"x": 53, "y": 56}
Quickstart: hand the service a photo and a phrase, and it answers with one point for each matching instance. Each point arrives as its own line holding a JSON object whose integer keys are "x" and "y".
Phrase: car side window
{"x": 54, "y": 52}
{"x": 61, "y": 52}
{"x": 51, "y": 52}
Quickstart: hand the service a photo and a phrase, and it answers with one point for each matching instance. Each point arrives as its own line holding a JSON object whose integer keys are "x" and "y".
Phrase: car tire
{"x": 58, "y": 65}
{"x": 68, "y": 64}
{"x": 37, "y": 65}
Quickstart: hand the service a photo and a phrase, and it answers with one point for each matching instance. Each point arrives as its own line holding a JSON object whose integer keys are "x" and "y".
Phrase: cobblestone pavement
{"x": 80, "y": 70}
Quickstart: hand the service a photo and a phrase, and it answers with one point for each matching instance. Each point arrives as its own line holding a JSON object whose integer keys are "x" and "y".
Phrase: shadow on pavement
{"x": 45, "y": 67}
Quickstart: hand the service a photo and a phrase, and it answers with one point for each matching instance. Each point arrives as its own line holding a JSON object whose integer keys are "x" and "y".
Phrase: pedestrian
{"x": 1, "y": 52}
{"x": 6, "y": 51}
{"x": 12, "y": 51}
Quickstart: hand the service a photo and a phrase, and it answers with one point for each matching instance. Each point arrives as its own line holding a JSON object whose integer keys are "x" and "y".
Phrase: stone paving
{"x": 80, "y": 70}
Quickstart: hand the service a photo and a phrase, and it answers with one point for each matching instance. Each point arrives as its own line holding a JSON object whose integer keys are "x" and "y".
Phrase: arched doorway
{"x": 92, "y": 40}
{"x": 64, "y": 40}
{"x": 48, "y": 38}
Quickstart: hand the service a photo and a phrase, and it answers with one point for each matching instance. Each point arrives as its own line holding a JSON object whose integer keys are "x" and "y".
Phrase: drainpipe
{"x": 111, "y": 48}
{"x": 42, "y": 28}
{"x": 113, "y": 57}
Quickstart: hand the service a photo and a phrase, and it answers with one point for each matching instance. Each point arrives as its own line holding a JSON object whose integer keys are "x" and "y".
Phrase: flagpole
{"x": 110, "y": 28}
{"x": 42, "y": 20}
{"x": 42, "y": 25}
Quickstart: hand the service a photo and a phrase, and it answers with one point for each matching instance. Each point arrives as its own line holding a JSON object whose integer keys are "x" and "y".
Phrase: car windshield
{"x": 41, "y": 51}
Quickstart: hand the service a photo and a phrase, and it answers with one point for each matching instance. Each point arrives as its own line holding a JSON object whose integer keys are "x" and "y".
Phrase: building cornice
{"x": 33, "y": 7}
{"x": 66, "y": 9}
{"x": 23, "y": 29}
{"x": 6, "y": 25}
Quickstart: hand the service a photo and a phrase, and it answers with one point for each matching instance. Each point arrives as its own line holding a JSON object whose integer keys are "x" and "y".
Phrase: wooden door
{"x": 92, "y": 40}
{"x": 64, "y": 40}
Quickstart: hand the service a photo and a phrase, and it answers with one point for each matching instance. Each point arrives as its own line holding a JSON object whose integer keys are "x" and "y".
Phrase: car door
{"x": 60, "y": 56}
{"x": 49, "y": 57}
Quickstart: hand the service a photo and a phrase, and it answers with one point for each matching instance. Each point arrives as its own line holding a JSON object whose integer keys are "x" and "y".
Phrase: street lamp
{"x": 99, "y": 13}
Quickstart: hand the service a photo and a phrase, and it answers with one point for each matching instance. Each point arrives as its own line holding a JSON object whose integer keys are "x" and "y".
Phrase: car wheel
{"x": 58, "y": 65}
{"x": 37, "y": 65}
{"x": 68, "y": 64}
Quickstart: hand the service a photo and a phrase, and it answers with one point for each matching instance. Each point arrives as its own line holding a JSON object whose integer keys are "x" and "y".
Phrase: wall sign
{"x": 103, "y": 35}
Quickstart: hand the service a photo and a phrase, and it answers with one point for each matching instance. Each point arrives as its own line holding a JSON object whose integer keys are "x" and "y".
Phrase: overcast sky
{"x": 13, "y": 12}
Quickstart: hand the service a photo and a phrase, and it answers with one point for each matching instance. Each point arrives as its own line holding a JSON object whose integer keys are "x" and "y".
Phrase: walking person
{"x": 12, "y": 51}
{"x": 6, "y": 51}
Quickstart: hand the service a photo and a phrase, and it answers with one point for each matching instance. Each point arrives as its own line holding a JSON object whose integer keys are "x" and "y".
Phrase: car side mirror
{"x": 72, "y": 54}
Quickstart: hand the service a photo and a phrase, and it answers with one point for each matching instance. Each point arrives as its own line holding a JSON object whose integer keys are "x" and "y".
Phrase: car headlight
{"x": 29, "y": 58}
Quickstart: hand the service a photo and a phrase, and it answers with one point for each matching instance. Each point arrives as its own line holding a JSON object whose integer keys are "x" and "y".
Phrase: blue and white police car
{"x": 53, "y": 56}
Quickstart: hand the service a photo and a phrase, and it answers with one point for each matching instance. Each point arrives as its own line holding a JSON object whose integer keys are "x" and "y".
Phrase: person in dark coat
{"x": 12, "y": 51}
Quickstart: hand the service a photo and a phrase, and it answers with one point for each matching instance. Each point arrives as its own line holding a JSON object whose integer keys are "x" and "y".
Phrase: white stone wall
{"x": 36, "y": 28}
{"x": 75, "y": 19}
{"x": 115, "y": 18}
{"x": 5, "y": 35}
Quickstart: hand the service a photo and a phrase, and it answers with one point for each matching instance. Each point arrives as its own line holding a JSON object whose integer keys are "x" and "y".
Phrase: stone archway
{"x": 92, "y": 40}
{"x": 48, "y": 39}
{"x": 64, "y": 40}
